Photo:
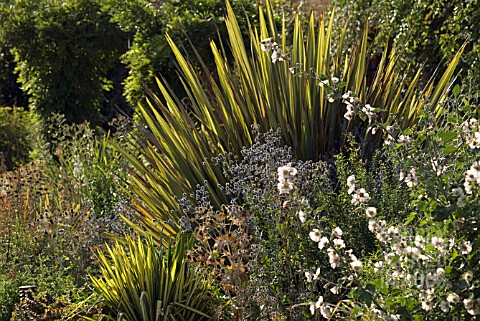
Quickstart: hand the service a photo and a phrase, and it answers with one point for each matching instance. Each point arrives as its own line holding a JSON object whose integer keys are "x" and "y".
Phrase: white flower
{"x": 266, "y": 44}
{"x": 440, "y": 272}
{"x": 468, "y": 303}
{"x": 453, "y": 298}
{"x": 377, "y": 266}
{"x": 445, "y": 306}
{"x": 475, "y": 310}
{"x": 427, "y": 305}
{"x": 326, "y": 311}
{"x": 390, "y": 129}
{"x": 420, "y": 242}
{"x": 316, "y": 305}
{"x": 285, "y": 187}
{"x": 333, "y": 258}
{"x": 351, "y": 255}
{"x": 276, "y": 53}
{"x": 334, "y": 290}
{"x": 393, "y": 232}
{"x": 403, "y": 139}
{"x": 382, "y": 237}
{"x": 351, "y": 180}
{"x": 323, "y": 83}
{"x": 357, "y": 265}
{"x": 287, "y": 171}
{"x": 353, "y": 100}
{"x": 315, "y": 235}
{"x": 335, "y": 80}
{"x": 285, "y": 178}
{"x": 292, "y": 70}
{"x": 349, "y": 115}
{"x": 468, "y": 276}
{"x": 337, "y": 232}
{"x": 472, "y": 178}
{"x": 368, "y": 110}
{"x": 351, "y": 184}
{"x": 438, "y": 243}
{"x": 371, "y": 212}
{"x": 346, "y": 95}
{"x": 373, "y": 225}
{"x": 339, "y": 243}
{"x": 466, "y": 247}
{"x": 309, "y": 276}
{"x": 360, "y": 196}
{"x": 302, "y": 216}
{"x": 413, "y": 252}
{"x": 323, "y": 242}
{"x": 474, "y": 141}
{"x": 411, "y": 179}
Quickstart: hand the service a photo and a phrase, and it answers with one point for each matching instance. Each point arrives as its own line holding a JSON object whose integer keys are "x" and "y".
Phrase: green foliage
{"x": 143, "y": 281}
{"x": 182, "y": 138}
{"x": 424, "y": 32}
{"x": 40, "y": 307}
{"x": 261, "y": 250}
{"x": 427, "y": 257}
{"x": 20, "y": 141}
{"x": 49, "y": 231}
{"x": 8, "y": 295}
{"x": 43, "y": 260}
{"x": 88, "y": 166}
{"x": 63, "y": 50}
{"x": 389, "y": 239}
{"x": 187, "y": 21}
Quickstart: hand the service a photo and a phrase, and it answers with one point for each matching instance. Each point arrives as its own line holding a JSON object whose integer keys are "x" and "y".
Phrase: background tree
{"x": 188, "y": 22}
{"x": 426, "y": 32}
{"x": 63, "y": 50}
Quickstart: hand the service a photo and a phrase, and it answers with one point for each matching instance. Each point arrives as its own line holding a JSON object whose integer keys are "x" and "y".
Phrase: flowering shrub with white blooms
{"x": 388, "y": 236}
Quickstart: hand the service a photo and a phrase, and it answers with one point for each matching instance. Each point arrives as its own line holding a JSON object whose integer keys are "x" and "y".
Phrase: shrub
{"x": 390, "y": 239}
{"x": 48, "y": 233}
{"x": 424, "y": 32}
{"x": 87, "y": 167}
{"x": 63, "y": 50}
{"x": 19, "y": 137}
{"x": 258, "y": 247}
{"x": 9, "y": 294}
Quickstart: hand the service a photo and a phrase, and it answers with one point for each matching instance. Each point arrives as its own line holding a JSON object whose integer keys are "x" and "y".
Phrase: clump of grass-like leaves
{"x": 143, "y": 281}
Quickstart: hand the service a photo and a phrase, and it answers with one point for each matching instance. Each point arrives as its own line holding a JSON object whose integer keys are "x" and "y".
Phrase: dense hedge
{"x": 427, "y": 32}
{"x": 79, "y": 57}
